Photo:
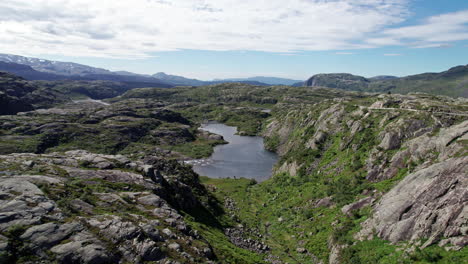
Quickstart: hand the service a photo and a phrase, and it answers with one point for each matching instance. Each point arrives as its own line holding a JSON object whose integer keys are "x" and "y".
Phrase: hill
{"x": 453, "y": 82}
{"x": 19, "y": 95}
{"x": 262, "y": 79}
{"x": 344, "y": 81}
{"x": 178, "y": 80}
{"x": 54, "y": 67}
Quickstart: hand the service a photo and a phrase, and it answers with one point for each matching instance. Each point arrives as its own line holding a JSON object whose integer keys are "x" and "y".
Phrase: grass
{"x": 261, "y": 205}
{"x": 197, "y": 149}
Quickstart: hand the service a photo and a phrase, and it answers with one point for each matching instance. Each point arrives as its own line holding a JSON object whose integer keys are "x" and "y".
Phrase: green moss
{"x": 198, "y": 149}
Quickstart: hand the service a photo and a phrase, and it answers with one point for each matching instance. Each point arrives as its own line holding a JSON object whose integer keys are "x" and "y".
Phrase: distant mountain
{"x": 55, "y": 67}
{"x": 129, "y": 73}
{"x": 137, "y": 80}
{"x": 344, "y": 81}
{"x": 178, "y": 80}
{"x": 298, "y": 84}
{"x": 383, "y": 77}
{"x": 31, "y": 73}
{"x": 242, "y": 82}
{"x": 262, "y": 79}
{"x": 27, "y": 72}
{"x": 182, "y": 81}
{"x": 453, "y": 82}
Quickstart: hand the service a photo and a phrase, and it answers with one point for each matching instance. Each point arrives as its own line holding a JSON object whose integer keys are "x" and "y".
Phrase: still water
{"x": 242, "y": 157}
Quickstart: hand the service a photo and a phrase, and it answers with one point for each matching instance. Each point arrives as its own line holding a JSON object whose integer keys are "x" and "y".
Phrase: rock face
{"x": 339, "y": 80}
{"x": 80, "y": 211}
{"x": 410, "y": 153}
{"x": 430, "y": 203}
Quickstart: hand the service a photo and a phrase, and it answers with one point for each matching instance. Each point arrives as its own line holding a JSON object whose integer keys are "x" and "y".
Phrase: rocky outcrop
{"x": 94, "y": 208}
{"x": 343, "y": 81}
{"x": 430, "y": 203}
{"x": 134, "y": 126}
{"x": 399, "y": 161}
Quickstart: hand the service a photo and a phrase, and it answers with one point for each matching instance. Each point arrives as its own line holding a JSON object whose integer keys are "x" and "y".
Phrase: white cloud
{"x": 136, "y": 28}
{"x": 435, "y": 31}
{"x": 433, "y": 45}
{"x": 344, "y": 53}
{"x": 392, "y": 54}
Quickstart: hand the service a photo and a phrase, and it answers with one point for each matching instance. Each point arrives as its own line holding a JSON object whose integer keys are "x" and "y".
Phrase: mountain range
{"x": 263, "y": 79}
{"x": 453, "y": 82}
{"x": 182, "y": 81}
{"x": 41, "y": 69}
{"x": 55, "y": 67}
{"x": 36, "y": 73}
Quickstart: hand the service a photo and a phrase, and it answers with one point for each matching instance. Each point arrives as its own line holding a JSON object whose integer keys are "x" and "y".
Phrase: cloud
{"x": 433, "y": 45}
{"x": 344, "y": 53}
{"x": 392, "y": 54}
{"x": 435, "y": 31}
{"x": 137, "y": 28}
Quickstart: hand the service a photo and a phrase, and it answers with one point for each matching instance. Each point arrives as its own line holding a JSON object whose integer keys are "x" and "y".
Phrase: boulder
{"x": 47, "y": 235}
{"x": 347, "y": 209}
{"x": 390, "y": 141}
{"x": 429, "y": 203}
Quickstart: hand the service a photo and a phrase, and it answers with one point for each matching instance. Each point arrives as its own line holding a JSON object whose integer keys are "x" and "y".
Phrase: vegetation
{"x": 329, "y": 141}
{"x": 452, "y": 82}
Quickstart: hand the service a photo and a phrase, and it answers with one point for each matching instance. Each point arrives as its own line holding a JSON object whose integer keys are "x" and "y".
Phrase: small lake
{"x": 243, "y": 156}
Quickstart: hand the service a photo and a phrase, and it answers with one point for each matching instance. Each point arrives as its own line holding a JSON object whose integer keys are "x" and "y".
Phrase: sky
{"x": 209, "y": 39}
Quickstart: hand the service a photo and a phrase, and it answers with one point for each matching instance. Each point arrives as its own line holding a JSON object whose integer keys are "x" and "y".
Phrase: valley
{"x": 360, "y": 177}
{"x": 234, "y": 132}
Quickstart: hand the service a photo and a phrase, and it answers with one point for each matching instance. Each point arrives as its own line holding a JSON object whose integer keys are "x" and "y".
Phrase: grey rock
{"x": 347, "y": 209}
{"x": 301, "y": 250}
{"x": 152, "y": 200}
{"x": 429, "y": 203}
{"x": 27, "y": 206}
{"x": 82, "y": 206}
{"x": 114, "y": 228}
{"x": 83, "y": 248}
{"x": 324, "y": 202}
{"x": 168, "y": 232}
{"x": 152, "y": 232}
{"x": 47, "y": 235}
{"x": 390, "y": 141}
{"x": 174, "y": 246}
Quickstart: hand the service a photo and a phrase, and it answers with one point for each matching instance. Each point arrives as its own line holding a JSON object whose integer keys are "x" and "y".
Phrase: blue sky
{"x": 227, "y": 38}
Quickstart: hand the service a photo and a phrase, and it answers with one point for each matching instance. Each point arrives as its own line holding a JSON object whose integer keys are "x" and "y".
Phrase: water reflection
{"x": 242, "y": 157}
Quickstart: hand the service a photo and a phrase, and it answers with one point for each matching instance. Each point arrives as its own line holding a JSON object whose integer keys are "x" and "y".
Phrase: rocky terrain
{"x": 79, "y": 207}
{"x": 19, "y": 95}
{"x": 362, "y": 178}
{"x": 404, "y": 158}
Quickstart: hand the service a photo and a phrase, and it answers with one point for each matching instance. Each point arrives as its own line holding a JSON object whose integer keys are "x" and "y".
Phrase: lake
{"x": 243, "y": 156}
